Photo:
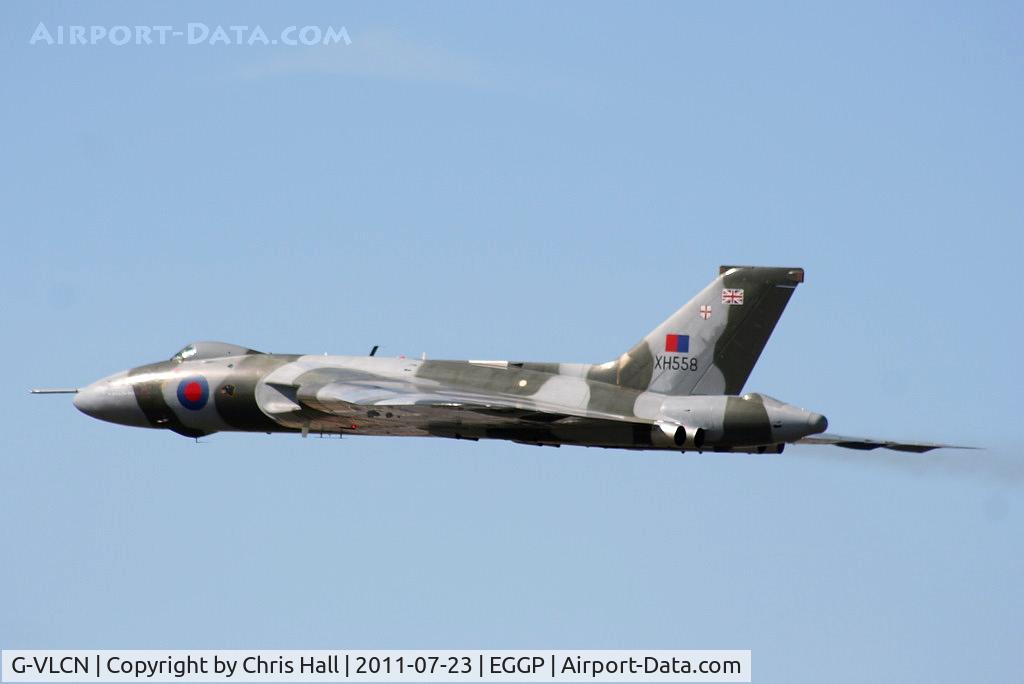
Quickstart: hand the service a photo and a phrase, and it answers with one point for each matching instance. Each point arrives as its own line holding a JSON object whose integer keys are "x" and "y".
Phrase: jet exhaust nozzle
{"x": 683, "y": 436}
{"x": 689, "y": 437}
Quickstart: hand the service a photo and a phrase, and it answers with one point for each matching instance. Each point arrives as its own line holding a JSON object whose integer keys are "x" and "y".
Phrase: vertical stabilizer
{"x": 711, "y": 344}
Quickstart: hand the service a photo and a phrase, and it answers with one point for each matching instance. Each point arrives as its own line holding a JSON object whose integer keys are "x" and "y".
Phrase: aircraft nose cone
{"x": 818, "y": 422}
{"x": 111, "y": 401}
{"x": 89, "y": 401}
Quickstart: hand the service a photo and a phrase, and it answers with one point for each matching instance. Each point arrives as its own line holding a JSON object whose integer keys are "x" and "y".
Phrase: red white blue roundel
{"x": 193, "y": 392}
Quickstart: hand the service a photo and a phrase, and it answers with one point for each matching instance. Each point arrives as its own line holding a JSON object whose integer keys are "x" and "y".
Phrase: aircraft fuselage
{"x": 541, "y": 403}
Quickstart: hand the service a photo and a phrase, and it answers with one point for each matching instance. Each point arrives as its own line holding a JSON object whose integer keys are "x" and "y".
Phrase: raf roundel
{"x": 193, "y": 392}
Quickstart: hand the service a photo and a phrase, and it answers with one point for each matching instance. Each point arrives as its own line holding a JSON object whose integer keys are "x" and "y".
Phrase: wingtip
{"x": 868, "y": 444}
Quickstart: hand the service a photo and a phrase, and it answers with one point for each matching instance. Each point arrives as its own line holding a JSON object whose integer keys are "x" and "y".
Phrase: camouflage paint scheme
{"x": 676, "y": 389}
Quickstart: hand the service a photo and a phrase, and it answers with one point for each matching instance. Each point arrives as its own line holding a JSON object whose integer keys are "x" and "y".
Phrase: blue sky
{"x": 540, "y": 182}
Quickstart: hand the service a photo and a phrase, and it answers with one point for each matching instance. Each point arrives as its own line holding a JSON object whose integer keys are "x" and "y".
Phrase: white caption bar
{"x": 376, "y": 666}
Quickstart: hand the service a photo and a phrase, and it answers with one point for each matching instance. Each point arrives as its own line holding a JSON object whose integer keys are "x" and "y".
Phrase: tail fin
{"x": 711, "y": 344}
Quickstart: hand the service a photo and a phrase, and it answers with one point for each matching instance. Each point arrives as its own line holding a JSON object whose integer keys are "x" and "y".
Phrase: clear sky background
{"x": 540, "y": 182}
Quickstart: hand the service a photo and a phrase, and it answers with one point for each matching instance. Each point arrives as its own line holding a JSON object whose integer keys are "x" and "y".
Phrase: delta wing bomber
{"x": 679, "y": 388}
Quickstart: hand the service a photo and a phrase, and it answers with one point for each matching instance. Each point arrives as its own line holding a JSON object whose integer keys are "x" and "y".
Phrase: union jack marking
{"x": 705, "y": 312}
{"x": 730, "y": 296}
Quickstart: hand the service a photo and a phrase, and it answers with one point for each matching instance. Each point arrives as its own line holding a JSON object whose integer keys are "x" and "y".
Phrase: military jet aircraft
{"x": 676, "y": 389}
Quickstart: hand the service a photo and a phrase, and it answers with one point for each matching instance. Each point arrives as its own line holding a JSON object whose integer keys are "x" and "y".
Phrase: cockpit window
{"x": 185, "y": 354}
{"x": 199, "y": 351}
